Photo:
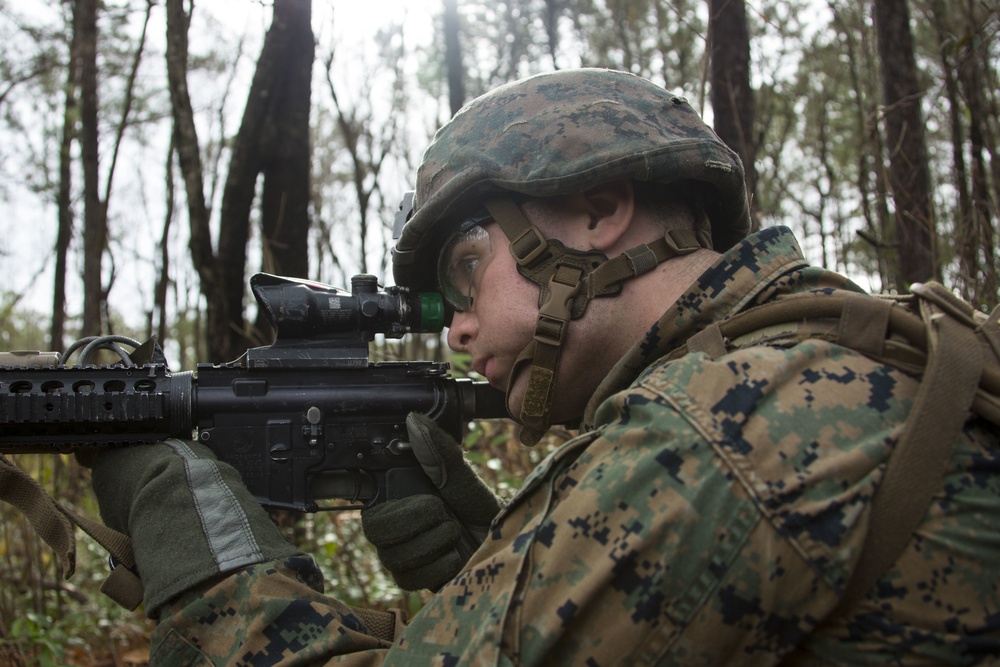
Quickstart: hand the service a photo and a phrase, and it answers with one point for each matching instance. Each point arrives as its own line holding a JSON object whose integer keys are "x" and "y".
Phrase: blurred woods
{"x": 154, "y": 156}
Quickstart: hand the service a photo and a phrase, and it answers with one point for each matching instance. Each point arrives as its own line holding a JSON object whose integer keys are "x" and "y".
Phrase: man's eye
{"x": 467, "y": 266}
{"x": 465, "y": 270}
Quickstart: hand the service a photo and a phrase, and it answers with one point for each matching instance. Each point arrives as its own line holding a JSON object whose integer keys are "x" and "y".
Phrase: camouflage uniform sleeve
{"x": 613, "y": 552}
{"x": 267, "y": 614}
{"x": 711, "y": 518}
{"x": 607, "y": 554}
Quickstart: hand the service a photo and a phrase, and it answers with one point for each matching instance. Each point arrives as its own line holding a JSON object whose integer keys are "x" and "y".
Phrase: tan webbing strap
{"x": 381, "y": 624}
{"x": 527, "y": 244}
{"x": 20, "y": 490}
{"x": 864, "y": 324}
{"x": 544, "y": 351}
{"x": 641, "y": 259}
{"x": 709, "y": 341}
{"x": 122, "y": 584}
{"x": 123, "y": 587}
{"x": 991, "y": 330}
{"x": 531, "y": 250}
{"x": 988, "y": 402}
{"x": 913, "y": 474}
{"x": 799, "y": 310}
{"x": 54, "y": 524}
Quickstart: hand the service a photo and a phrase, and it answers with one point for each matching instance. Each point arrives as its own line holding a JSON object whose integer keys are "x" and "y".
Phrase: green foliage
{"x": 43, "y": 637}
{"x": 55, "y": 640}
{"x": 21, "y": 328}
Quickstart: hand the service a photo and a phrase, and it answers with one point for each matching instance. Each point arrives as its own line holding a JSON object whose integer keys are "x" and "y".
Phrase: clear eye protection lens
{"x": 458, "y": 263}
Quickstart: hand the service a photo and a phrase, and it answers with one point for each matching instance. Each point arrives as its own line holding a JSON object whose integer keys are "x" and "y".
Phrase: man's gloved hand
{"x": 425, "y": 540}
{"x": 189, "y": 516}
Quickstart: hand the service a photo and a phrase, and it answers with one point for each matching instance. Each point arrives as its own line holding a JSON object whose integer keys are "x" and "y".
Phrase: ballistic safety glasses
{"x": 463, "y": 254}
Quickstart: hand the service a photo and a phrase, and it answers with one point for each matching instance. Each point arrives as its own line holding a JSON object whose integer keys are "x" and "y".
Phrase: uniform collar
{"x": 760, "y": 267}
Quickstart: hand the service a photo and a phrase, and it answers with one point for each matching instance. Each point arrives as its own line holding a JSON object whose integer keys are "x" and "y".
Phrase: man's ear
{"x": 610, "y": 208}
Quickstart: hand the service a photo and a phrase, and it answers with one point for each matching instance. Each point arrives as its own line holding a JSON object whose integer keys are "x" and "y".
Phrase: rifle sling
{"x": 122, "y": 584}
{"x": 54, "y": 524}
{"x": 19, "y": 489}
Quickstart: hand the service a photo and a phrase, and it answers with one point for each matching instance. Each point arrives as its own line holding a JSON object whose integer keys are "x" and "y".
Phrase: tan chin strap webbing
{"x": 567, "y": 280}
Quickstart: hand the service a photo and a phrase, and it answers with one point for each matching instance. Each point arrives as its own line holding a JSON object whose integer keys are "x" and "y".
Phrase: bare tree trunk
{"x": 453, "y": 57}
{"x": 94, "y": 221}
{"x": 123, "y": 122}
{"x": 185, "y": 139}
{"x": 285, "y": 151}
{"x": 158, "y": 315}
{"x": 974, "y": 71}
{"x": 860, "y": 64}
{"x": 289, "y": 40}
{"x": 273, "y": 139}
{"x": 368, "y": 142}
{"x": 350, "y": 132}
{"x": 226, "y": 325}
{"x": 65, "y": 195}
{"x": 551, "y": 21}
{"x": 732, "y": 97}
{"x": 909, "y": 174}
{"x": 965, "y": 233}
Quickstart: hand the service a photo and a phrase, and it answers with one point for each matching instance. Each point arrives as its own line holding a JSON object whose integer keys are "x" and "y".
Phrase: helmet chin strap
{"x": 567, "y": 280}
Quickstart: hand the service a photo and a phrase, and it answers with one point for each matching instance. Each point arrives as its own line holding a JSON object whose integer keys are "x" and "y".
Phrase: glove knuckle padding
{"x": 424, "y": 549}
{"x": 399, "y": 521}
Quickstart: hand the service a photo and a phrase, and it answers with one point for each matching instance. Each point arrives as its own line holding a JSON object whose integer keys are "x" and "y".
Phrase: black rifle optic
{"x": 308, "y": 418}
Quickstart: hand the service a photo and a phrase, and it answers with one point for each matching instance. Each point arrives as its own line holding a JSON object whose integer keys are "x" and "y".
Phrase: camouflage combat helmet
{"x": 555, "y": 134}
{"x": 563, "y": 132}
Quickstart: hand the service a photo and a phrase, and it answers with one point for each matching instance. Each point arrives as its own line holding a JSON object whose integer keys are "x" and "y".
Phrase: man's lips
{"x": 479, "y": 364}
{"x": 486, "y": 366}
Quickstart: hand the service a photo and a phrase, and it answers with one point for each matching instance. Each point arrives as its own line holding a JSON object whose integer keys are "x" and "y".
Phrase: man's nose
{"x": 462, "y": 331}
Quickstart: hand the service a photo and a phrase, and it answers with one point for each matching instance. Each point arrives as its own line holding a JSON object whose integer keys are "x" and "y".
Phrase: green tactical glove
{"x": 189, "y": 516}
{"x": 425, "y": 540}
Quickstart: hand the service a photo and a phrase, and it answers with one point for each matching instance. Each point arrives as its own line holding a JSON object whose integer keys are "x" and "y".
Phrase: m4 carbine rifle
{"x": 306, "y": 419}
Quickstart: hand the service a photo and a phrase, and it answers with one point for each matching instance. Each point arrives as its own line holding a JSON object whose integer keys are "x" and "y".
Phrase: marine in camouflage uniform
{"x": 710, "y": 512}
{"x": 711, "y": 516}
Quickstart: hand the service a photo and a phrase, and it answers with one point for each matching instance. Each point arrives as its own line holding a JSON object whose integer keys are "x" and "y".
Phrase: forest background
{"x": 156, "y": 153}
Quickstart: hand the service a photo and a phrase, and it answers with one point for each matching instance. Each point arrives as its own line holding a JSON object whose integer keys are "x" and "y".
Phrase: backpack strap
{"x": 918, "y": 463}
{"x": 384, "y": 625}
{"x": 932, "y": 334}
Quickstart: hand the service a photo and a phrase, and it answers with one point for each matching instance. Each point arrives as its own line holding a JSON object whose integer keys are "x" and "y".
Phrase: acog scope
{"x": 306, "y": 314}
